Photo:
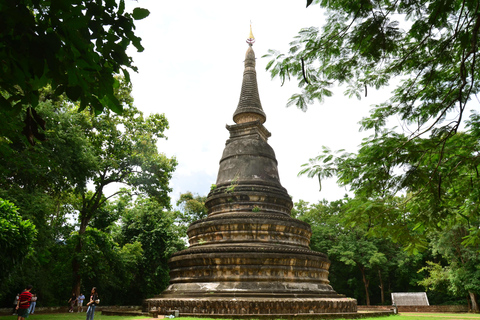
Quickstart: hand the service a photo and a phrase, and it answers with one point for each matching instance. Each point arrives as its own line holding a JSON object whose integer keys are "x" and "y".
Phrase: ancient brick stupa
{"x": 249, "y": 257}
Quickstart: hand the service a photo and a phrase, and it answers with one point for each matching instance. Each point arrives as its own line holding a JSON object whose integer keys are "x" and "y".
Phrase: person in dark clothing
{"x": 92, "y": 304}
{"x": 72, "y": 302}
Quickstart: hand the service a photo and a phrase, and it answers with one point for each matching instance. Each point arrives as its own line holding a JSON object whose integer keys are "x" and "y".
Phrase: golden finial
{"x": 251, "y": 38}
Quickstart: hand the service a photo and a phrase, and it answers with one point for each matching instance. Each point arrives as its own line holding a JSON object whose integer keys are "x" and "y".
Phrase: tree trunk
{"x": 382, "y": 291}
{"x": 473, "y": 298}
{"x": 366, "y": 282}
{"x": 77, "y": 280}
{"x": 89, "y": 206}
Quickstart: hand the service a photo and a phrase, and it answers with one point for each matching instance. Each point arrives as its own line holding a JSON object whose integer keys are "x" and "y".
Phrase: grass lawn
{"x": 99, "y": 316}
{"x": 435, "y": 316}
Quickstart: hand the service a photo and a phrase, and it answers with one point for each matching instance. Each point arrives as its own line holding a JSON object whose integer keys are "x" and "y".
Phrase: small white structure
{"x": 409, "y": 299}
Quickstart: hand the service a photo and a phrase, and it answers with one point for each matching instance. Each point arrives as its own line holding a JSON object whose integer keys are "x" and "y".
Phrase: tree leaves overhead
{"x": 428, "y": 169}
{"x": 436, "y": 185}
{"x": 76, "y": 46}
{"x": 140, "y": 13}
{"x": 431, "y": 46}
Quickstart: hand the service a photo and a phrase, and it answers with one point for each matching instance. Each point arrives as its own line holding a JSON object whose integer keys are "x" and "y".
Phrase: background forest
{"x": 84, "y": 190}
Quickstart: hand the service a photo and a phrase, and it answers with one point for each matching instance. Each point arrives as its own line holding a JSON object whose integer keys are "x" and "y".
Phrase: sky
{"x": 192, "y": 68}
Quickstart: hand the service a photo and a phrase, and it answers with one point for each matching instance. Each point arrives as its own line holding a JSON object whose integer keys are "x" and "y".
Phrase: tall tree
{"x": 461, "y": 272}
{"x": 83, "y": 155}
{"x": 359, "y": 258}
{"x": 440, "y": 191}
{"x": 16, "y": 241}
{"x": 147, "y": 223}
{"x": 126, "y": 153}
{"x": 431, "y": 47}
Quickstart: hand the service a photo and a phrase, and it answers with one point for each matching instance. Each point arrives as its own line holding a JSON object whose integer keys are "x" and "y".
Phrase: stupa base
{"x": 230, "y": 306}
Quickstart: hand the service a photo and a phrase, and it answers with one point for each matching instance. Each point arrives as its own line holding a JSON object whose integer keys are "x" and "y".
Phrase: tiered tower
{"x": 249, "y": 257}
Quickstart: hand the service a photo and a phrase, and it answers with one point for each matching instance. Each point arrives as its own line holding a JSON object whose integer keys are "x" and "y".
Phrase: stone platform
{"x": 223, "y": 306}
{"x": 303, "y": 316}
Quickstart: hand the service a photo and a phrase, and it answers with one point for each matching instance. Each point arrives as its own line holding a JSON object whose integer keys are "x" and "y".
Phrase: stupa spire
{"x": 249, "y": 106}
{"x": 251, "y": 38}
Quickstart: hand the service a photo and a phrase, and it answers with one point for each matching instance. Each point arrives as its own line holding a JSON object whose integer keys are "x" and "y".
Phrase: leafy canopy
{"x": 426, "y": 177}
{"x": 432, "y": 46}
{"x": 76, "y": 46}
{"x": 16, "y": 240}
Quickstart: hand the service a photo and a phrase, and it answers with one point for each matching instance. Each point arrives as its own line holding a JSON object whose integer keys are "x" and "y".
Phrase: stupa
{"x": 249, "y": 257}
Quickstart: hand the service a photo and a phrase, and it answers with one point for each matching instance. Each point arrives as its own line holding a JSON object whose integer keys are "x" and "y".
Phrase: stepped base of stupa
{"x": 240, "y": 280}
{"x": 229, "y": 306}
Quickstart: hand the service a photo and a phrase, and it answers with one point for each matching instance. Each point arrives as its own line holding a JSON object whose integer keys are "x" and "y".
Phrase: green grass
{"x": 99, "y": 316}
{"x": 436, "y": 316}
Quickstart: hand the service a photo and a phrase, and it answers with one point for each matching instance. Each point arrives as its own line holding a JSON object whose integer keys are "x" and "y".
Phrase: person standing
{"x": 23, "y": 303}
{"x": 92, "y": 304}
{"x": 71, "y": 302}
{"x": 15, "y": 302}
{"x": 80, "y": 299}
{"x": 33, "y": 303}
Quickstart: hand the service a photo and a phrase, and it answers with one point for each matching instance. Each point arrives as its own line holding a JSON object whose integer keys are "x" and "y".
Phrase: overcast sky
{"x": 192, "y": 69}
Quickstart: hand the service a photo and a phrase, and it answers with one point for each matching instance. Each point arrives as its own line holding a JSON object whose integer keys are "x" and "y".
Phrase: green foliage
{"x": 431, "y": 46}
{"x": 364, "y": 265}
{"x": 149, "y": 225}
{"x": 191, "y": 208}
{"x": 437, "y": 276}
{"x": 462, "y": 272}
{"x": 75, "y": 46}
{"x": 439, "y": 191}
{"x": 233, "y": 184}
{"x": 107, "y": 265}
{"x": 16, "y": 241}
{"x": 60, "y": 185}
{"x": 426, "y": 178}
{"x": 438, "y": 186}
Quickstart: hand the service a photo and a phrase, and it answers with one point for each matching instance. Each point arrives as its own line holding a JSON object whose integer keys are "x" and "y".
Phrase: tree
{"x": 191, "y": 208}
{"x": 76, "y": 46}
{"x": 461, "y": 274}
{"x": 16, "y": 241}
{"x": 359, "y": 259}
{"x": 435, "y": 187}
{"x": 124, "y": 147}
{"x": 147, "y": 223}
{"x": 82, "y": 156}
{"x": 440, "y": 193}
{"x": 431, "y": 46}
